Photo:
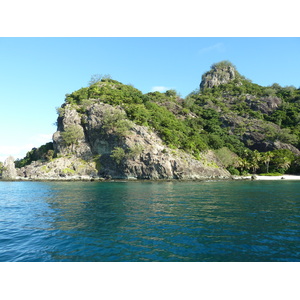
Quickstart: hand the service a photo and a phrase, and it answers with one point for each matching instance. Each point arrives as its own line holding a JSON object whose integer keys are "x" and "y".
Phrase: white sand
{"x": 283, "y": 177}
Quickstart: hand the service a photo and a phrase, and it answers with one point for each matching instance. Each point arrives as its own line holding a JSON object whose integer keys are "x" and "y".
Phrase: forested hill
{"x": 250, "y": 128}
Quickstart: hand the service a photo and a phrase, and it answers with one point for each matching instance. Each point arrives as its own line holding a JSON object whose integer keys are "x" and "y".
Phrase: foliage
{"x": 44, "y": 153}
{"x": 227, "y": 157}
{"x": 72, "y": 134}
{"x": 118, "y": 154}
{"x": 199, "y": 122}
{"x": 223, "y": 64}
{"x": 271, "y": 174}
{"x": 233, "y": 171}
{"x": 115, "y": 121}
{"x": 68, "y": 171}
{"x": 135, "y": 151}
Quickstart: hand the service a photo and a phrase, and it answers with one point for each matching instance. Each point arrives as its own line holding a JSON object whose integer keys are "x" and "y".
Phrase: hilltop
{"x": 227, "y": 126}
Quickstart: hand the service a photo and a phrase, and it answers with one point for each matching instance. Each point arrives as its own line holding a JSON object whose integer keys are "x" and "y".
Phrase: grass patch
{"x": 271, "y": 174}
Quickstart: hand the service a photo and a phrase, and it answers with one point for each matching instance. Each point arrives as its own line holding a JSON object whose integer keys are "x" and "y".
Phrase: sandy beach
{"x": 282, "y": 177}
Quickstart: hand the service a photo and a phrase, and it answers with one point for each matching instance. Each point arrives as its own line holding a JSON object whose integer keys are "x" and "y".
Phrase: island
{"x": 227, "y": 128}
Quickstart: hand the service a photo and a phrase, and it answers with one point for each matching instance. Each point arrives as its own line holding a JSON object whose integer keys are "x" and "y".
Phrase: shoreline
{"x": 260, "y": 177}
{"x": 100, "y": 179}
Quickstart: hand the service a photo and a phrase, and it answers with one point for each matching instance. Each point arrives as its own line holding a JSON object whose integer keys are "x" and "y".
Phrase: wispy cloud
{"x": 219, "y": 47}
{"x": 160, "y": 89}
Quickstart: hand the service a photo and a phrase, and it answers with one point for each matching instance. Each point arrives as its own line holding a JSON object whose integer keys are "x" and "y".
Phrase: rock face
{"x": 264, "y": 104}
{"x": 81, "y": 149}
{"x": 9, "y": 171}
{"x": 221, "y": 73}
{"x": 257, "y": 134}
{"x": 63, "y": 168}
{"x": 105, "y": 151}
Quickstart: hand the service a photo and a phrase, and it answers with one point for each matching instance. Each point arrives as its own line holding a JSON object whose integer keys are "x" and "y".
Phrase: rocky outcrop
{"x": 220, "y": 73}
{"x": 279, "y": 145}
{"x": 258, "y": 134}
{"x": 146, "y": 157}
{"x": 264, "y": 104}
{"x": 63, "y": 168}
{"x": 112, "y": 147}
{"x": 81, "y": 149}
{"x": 9, "y": 171}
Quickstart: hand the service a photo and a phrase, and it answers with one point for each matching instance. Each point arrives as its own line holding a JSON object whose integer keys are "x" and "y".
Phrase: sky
{"x": 37, "y": 72}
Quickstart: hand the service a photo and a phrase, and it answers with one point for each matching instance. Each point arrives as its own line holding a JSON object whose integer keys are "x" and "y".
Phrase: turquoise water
{"x": 150, "y": 221}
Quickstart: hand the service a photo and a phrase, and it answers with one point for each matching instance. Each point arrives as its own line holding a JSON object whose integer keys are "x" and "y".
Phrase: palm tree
{"x": 266, "y": 157}
{"x": 255, "y": 159}
{"x": 243, "y": 164}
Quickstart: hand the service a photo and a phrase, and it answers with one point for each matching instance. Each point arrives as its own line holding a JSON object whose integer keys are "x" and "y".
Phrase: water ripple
{"x": 148, "y": 221}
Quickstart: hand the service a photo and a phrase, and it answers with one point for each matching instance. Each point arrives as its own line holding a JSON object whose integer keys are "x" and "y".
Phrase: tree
{"x": 171, "y": 93}
{"x": 118, "y": 154}
{"x": 266, "y": 158}
{"x": 72, "y": 134}
{"x": 95, "y": 78}
{"x": 255, "y": 159}
{"x": 243, "y": 164}
{"x": 115, "y": 121}
{"x": 282, "y": 159}
{"x": 227, "y": 157}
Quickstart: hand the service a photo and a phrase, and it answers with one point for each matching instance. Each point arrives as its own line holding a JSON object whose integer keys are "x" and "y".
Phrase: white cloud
{"x": 219, "y": 47}
{"x": 14, "y": 151}
{"x": 160, "y": 89}
{"x": 19, "y": 151}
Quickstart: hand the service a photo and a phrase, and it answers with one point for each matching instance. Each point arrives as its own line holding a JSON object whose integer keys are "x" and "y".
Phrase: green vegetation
{"x": 115, "y": 121}
{"x": 251, "y": 128}
{"x": 96, "y": 159}
{"x": 72, "y": 134}
{"x": 68, "y": 171}
{"x": 1, "y": 168}
{"x": 118, "y": 154}
{"x": 44, "y": 153}
{"x": 198, "y": 122}
{"x": 271, "y": 174}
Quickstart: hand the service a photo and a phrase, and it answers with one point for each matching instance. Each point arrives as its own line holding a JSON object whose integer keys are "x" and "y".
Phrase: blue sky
{"x": 36, "y": 73}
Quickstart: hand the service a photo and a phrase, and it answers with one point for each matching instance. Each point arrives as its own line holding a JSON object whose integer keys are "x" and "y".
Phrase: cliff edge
{"x": 102, "y": 143}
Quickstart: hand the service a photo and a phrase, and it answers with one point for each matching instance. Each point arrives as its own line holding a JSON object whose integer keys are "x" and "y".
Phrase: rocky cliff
{"x": 248, "y": 111}
{"x": 220, "y": 73}
{"x": 112, "y": 130}
{"x": 105, "y": 151}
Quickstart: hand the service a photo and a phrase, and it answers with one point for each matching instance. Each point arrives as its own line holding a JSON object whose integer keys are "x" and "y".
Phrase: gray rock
{"x": 145, "y": 154}
{"x": 9, "y": 170}
{"x": 218, "y": 75}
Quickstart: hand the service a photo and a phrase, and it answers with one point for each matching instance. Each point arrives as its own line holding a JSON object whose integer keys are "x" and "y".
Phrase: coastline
{"x": 101, "y": 179}
{"x": 259, "y": 177}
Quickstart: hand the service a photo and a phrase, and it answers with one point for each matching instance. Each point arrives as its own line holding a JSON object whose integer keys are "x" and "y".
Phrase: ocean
{"x": 146, "y": 221}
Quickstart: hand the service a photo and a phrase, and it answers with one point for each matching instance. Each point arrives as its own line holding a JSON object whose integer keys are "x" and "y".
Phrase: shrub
{"x": 118, "y": 154}
{"x": 72, "y": 134}
{"x": 233, "y": 171}
{"x": 115, "y": 121}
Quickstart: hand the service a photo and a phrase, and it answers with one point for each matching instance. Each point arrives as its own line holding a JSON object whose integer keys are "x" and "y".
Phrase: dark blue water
{"x": 150, "y": 221}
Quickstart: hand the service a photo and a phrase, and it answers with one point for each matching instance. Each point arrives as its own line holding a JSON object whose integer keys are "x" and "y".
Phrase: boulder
{"x": 9, "y": 171}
